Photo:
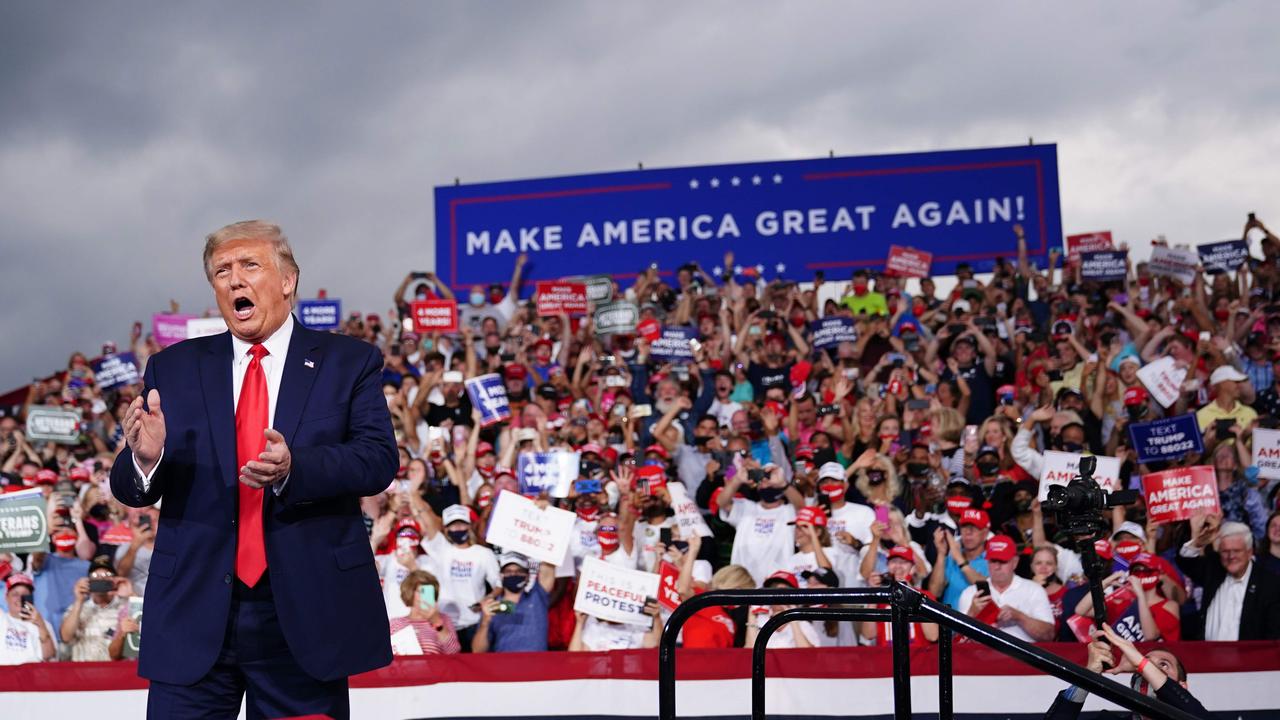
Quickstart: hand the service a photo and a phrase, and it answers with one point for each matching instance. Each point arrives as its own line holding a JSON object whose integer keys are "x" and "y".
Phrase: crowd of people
{"x": 912, "y": 454}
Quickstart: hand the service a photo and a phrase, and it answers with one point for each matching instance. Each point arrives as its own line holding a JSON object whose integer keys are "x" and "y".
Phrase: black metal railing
{"x": 905, "y": 605}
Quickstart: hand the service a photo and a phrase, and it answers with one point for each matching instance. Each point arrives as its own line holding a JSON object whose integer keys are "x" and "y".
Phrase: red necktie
{"x": 251, "y": 420}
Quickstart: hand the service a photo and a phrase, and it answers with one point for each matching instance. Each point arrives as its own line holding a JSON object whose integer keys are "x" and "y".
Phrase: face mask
{"x": 1136, "y": 412}
{"x": 1149, "y": 581}
{"x": 834, "y": 491}
{"x": 957, "y": 504}
{"x": 514, "y": 583}
{"x": 64, "y": 542}
{"x": 484, "y": 501}
{"x": 98, "y": 512}
{"x": 987, "y": 469}
{"x": 753, "y": 330}
{"x": 771, "y": 494}
{"x": 918, "y": 469}
{"x": 859, "y": 289}
{"x": 1054, "y": 442}
{"x": 1072, "y": 447}
{"x": 607, "y": 536}
{"x": 588, "y": 513}
{"x": 457, "y": 537}
{"x": 875, "y": 477}
{"x": 797, "y": 321}
{"x": 1127, "y": 549}
{"x": 477, "y": 298}
{"x": 1024, "y": 506}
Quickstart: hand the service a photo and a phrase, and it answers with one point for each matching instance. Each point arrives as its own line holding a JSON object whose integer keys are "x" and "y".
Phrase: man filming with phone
{"x": 1014, "y": 604}
{"x": 27, "y": 638}
{"x": 514, "y": 617}
{"x": 93, "y": 619}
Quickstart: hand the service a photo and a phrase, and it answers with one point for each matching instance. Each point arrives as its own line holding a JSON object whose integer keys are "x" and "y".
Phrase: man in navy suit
{"x": 262, "y": 582}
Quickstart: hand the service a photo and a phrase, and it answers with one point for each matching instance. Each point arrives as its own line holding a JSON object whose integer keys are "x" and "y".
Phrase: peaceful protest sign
{"x": 488, "y": 394}
{"x": 320, "y": 314}
{"x": 1266, "y": 453}
{"x": 169, "y": 328}
{"x": 54, "y": 424}
{"x": 1060, "y": 467}
{"x": 1167, "y": 438}
{"x": 556, "y": 297}
{"x": 1177, "y": 263}
{"x": 1222, "y": 257}
{"x": 1181, "y": 493}
{"x": 616, "y": 318}
{"x": 673, "y": 345}
{"x": 23, "y": 525}
{"x": 908, "y": 262}
{"x": 550, "y": 472}
{"x": 435, "y": 316}
{"x": 1103, "y": 266}
{"x": 1163, "y": 379}
{"x": 115, "y": 370}
{"x": 614, "y": 593}
{"x": 1087, "y": 242}
{"x": 519, "y": 525}
{"x": 831, "y": 331}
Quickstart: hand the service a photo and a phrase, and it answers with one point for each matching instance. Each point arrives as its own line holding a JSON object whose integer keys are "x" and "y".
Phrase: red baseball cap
{"x": 483, "y": 448}
{"x": 812, "y": 514}
{"x": 1103, "y": 548}
{"x": 804, "y": 452}
{"x": 79, "y": 473}
{"x": 1135, "y": 395}
{"x": 657, "y": 448}
{"x": 977, "y": 518}
{"x": 610, "y": 455}
{"x": 17, "y": 579}
{"x": 46, "y": 477}
{"x": 1146, "y": 560}
{"x": 1001, "y": 548}
{"x": 513, "y": 372}
{"x": 903, "y": 552}
{"x": 785, "y": 577}
{"x": 778, "y": 408}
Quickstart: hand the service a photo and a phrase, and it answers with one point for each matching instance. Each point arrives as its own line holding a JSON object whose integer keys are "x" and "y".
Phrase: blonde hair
{"x": 253, "y": 230}
{"x": 732, "y": 577}
{"x": 891, "y": 482}
{"x": 946, "y": 424}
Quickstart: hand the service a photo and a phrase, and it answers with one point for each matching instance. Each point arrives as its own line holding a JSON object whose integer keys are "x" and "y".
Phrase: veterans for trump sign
{"x": 54, "y": 424}
{"x": 519, "y": 525}
{"x": 1060, "y": 467}
{"x": 832, "y": 213}
{"x": 1181, "y": 493}
{"x": 23, "y": 525}
{"x": 614, "y": 593}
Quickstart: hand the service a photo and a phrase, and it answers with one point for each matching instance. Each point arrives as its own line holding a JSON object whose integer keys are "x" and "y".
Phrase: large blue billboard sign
{"x": 791, "y": 217}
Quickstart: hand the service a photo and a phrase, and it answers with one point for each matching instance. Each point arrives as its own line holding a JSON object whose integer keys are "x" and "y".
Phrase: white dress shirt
{"x": 272, "y": 366}
{"x": 1222, "y": 622}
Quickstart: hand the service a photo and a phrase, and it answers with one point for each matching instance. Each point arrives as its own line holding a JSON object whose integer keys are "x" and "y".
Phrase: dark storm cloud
{"x": 129, "y": 131}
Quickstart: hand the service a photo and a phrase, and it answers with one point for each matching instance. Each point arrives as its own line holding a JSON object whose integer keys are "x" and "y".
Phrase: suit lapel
{"x": 300, "y": 366}
{"x": 215, "y": 378}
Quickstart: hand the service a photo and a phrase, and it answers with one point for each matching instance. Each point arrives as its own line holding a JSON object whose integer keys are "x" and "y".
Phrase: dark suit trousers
{"x": 255, "y": 664}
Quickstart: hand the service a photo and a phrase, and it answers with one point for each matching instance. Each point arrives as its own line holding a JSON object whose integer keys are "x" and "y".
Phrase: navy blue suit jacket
{"x": 333, "y": 417}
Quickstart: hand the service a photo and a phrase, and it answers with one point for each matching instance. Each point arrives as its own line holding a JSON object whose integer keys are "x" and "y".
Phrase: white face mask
{"x": 477, "y": 299}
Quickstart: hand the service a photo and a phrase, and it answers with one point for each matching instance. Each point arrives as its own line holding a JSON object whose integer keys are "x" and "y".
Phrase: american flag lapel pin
{"x": 309, "y": 363}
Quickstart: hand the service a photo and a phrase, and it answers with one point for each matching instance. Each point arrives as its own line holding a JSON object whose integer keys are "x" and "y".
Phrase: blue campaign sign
{"x": 488, "y": 394}
{"x": 320, "y": 314}
{"x": 1166, "y": 439}
{"x": 790, "y": 217}
{"x": 115, "y": 370}
{"x": 673, "y": 345}
{"x": 831, "y": 331}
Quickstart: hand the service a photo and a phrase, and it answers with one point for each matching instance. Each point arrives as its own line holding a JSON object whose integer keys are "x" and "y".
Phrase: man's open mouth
{"x": 244, "y": 308}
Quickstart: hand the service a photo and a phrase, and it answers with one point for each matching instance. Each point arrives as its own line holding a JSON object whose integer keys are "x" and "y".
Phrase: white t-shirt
{"x": 582, "y": 542}
{"x": 785, "y": 637}
{"x": 1022, "y": 594}
{"x": 723, "y": 412}
{"x": 801, "y": 561}
{"x": 462, "y": 573}
{"x": 21, "y": 641}
{"x": 599, "y": 635}
{"x": 764, "y": 541}
{"x": 141, "y": 566}
{"x": 853, "y": 518}
{"x": 393, "y": 573}
{"x": 646, "y": 540}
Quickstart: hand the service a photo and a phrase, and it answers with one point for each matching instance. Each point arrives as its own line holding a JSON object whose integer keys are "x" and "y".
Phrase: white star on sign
{"x": 760, "y": 269}
{"x": 782, "y": 268}
{"x": 715, "y": 182}
{"x": 735, "y": 181}
{"x": 755, "y": 179}
{"x": 737, "y": 269}
{"x": 717, "y": 270}
{"x": 777, "y": 179}
{"x": 693, "y": 184}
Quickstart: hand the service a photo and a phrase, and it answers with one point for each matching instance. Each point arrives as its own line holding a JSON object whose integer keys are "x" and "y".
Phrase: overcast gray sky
{"x": 128, "y": 131}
